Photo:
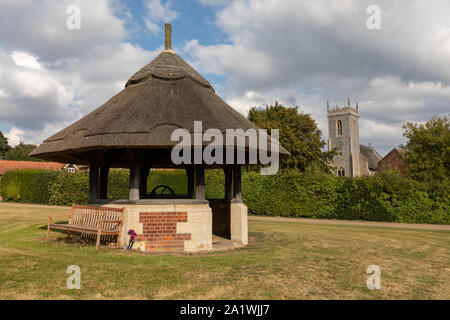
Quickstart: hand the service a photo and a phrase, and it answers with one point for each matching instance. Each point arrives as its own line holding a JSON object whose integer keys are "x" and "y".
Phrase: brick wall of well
{"x": 160, "y": 231}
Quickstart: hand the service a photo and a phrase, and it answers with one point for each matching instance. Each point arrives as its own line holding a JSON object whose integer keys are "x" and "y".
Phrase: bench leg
{"x": 48, "y": 227}
{"x": 99, "y": 235}
{"x": 118, "y": 241}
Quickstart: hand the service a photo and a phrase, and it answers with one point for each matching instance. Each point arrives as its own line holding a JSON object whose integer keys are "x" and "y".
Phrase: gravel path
{"x": 26, "y": 205}
{"x": 296, "y": 220}
{"x": 355, "y": 223}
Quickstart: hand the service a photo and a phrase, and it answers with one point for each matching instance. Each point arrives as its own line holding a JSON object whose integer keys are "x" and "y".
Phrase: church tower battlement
{"x": 345, "y": 109}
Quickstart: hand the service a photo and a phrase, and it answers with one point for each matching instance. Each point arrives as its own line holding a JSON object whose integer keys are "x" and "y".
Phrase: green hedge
{"x": 387, "y": 196}
{"x": 32, "y": 186}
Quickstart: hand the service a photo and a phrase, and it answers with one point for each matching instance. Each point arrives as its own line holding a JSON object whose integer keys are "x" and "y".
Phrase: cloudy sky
{"x": 300, "y": 52}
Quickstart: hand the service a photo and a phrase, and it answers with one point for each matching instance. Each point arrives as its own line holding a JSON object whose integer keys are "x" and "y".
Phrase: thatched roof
{"x": 164, "y": 95}
{"x": 371, "y": 155}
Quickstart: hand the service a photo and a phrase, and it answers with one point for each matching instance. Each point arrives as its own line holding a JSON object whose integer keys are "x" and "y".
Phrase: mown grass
{"x": 283, "y": 261}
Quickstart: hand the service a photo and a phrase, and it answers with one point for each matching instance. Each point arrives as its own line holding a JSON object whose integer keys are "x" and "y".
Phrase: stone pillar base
{"x": 238, "y": 219}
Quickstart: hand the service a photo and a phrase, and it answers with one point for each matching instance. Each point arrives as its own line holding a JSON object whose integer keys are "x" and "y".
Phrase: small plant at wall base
{"x": 132, "y": 235}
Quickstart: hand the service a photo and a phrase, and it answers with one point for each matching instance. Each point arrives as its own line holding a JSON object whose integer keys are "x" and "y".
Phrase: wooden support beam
{"x": 228, "y": 183}
{"x": 143, "y": 181}
{"x": 237, "y": 185}
{"x": 190, "y": 172}
{"x": 104, "y": 171}
{"x": 135, "y": 175}
{"x": 200, "y": 183}
{"x": 93, "y": 182}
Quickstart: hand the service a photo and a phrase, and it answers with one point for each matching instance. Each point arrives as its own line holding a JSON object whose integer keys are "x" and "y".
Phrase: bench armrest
{"x": 110, "y": 220}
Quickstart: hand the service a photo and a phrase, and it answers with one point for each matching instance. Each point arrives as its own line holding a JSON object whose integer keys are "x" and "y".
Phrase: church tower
{"x": 343, "y": 132}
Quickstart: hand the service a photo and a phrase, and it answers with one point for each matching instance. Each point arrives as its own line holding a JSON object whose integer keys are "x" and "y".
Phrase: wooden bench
{"x": 91, "y": 222}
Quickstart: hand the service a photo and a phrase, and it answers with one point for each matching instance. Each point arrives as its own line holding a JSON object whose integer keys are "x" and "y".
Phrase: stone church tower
{"x": 353, "y": 159}
{"x": 343, "y": 132}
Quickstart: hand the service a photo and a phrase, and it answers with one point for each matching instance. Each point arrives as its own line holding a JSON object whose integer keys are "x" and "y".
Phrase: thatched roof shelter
{"x": 136, "y": 124}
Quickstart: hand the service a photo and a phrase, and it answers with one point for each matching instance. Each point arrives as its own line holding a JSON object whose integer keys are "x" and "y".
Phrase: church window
{"x": 339, "y": 127}
{"x": 341, "y": 172}
{"x": 339, "y": 147}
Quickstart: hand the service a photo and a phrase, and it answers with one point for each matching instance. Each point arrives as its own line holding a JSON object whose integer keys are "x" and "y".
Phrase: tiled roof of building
{"x": 8, "y": 165}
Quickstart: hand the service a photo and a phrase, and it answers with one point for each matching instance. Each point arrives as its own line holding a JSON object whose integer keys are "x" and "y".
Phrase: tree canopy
{"x": 21, "y": 152}
{"x": 428, "y": 149}
{"x": 299, "y": 134}
{"x": 4, "y": 146}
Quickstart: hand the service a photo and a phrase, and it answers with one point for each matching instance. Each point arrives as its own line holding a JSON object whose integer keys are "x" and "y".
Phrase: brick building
{"x": 393, "y": 160}
{"x": 8, "y": 165}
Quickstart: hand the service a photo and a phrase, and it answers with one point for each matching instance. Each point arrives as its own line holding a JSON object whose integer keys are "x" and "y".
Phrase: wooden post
{"x": 228, "y": 183}
{"x": 143, "y": 182}
{"x": 99, "y": 235}
{"x": 134, "y": 176}
{"x": 93, "y": 183}
{"x": 48, "y": 227}
{"x": 200, "y": 183}
{"x": 190, "y": 172}
{"x": 237, "y": 192}
{"x": 104, "y": 171}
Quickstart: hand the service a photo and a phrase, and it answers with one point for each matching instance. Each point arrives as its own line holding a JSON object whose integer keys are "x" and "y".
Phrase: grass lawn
{"x": 284, "y": 260}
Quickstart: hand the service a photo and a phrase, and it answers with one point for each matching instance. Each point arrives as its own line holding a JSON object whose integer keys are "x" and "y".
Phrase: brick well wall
{"x": 160, "y": 231}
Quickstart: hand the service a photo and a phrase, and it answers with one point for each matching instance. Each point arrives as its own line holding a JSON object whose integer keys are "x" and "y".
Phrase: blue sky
{"x": 194, "y": 21}
{"x": 299, "y": 52}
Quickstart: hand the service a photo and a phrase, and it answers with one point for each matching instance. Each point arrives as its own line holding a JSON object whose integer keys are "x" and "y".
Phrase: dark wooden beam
{"x": 200, "y": 183}
{"x": 135, "y": 175}
{"x": 104, "y": 172}
{"x": 93, "y": 182}
{"x": 143, "y": 181}
{"x": 228, "y": 183}
{"x": 237, "y": 184}
{"x": 190, "y": 172}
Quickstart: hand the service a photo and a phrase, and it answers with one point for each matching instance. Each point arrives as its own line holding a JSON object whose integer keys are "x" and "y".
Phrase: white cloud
{"x": 24, "y": 59}
{"x": 48, "y": 82}
{"x": 312, "y": 51}
{"x": 158, "y": 13}
{"x": 15, "y": 136}
{"x": 39, "y": 27}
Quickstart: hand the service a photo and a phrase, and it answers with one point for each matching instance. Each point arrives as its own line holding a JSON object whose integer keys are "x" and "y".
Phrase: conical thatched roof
{"x": 164, "y": 95}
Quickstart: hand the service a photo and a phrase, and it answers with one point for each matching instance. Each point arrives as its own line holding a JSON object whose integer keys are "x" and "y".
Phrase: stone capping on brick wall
{"x": 150, "y": 201}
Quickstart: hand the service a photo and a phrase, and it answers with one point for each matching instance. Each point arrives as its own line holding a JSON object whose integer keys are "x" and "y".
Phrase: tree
{"x": 299, "y": 134}
{"x": 428, "y": 149}
{"x": 4, "y": 146}
{"x": 21, "y": 152}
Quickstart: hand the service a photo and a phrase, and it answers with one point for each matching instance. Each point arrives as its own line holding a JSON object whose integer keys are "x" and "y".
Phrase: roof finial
{"x": 348, "y": 102}
{"x": 328, "y": 105}
{"x": 168, "y": 30}
{"x": 357, "y": 106}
